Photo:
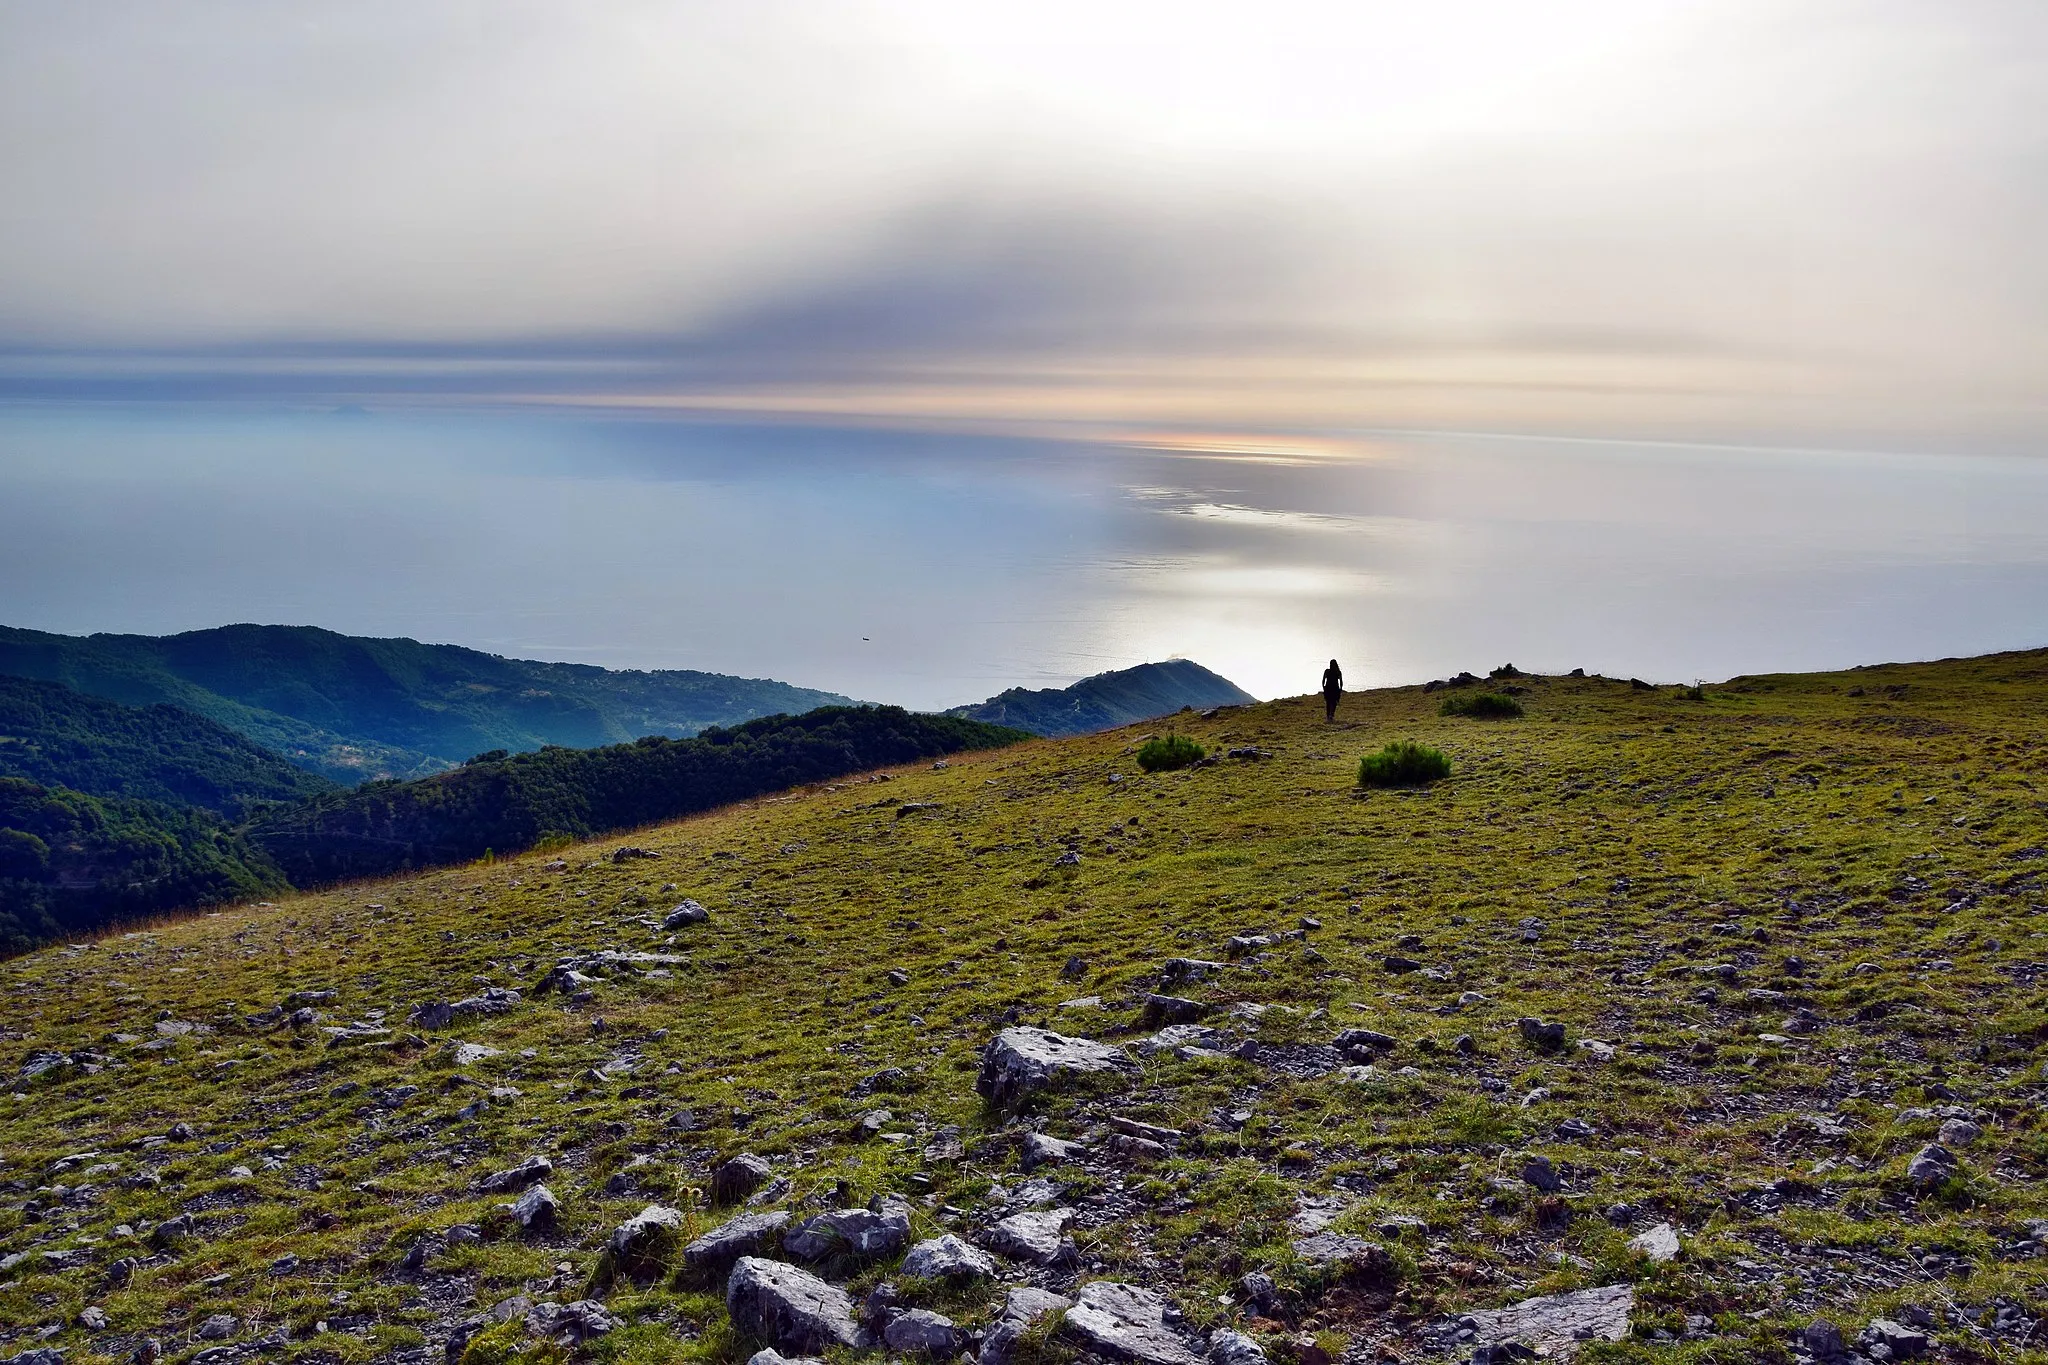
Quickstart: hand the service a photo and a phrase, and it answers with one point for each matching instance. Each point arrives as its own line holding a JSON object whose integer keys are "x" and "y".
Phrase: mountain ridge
{"x": 354, "y": 708}
{"x": 1104, "y": 701}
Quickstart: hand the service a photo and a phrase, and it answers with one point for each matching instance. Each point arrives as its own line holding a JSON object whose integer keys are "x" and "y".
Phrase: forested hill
{"x": 71, "y": 864}
{"x": 1109, "y": 699}
{"x": 352, "y": 708}
{"x": 55, "y": 737}
{"x": 506, "y": 802}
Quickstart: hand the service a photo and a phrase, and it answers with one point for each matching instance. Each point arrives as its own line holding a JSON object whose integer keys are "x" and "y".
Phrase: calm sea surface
{"x": 934, "y": 569}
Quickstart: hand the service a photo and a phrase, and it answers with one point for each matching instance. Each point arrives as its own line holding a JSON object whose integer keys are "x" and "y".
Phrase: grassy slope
{"x": 1903, "y": 832}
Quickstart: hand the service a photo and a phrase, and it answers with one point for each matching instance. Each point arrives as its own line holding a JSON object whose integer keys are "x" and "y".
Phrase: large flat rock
{"x": 1560, "y": 1322}
{"x": 745, "y": 1235}
{"x": 789, "y": 1308}
{"x": 1033, "y": 1236}
{"x": 1124, "y": 1322}
{"x": 1021, "y": 1060}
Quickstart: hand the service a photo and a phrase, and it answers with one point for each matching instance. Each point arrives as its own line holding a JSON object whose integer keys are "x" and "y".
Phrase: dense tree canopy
{"x": 503, "y": 803}
{"x": 56, "y": 737}
{"x": 72, "y": 863}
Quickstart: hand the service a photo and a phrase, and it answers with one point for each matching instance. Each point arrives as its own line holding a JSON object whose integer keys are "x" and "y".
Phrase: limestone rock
{"x": 437, "y": 1014}
{"x": 172, "y": 1231}
{"x": 948, "y": 1258}
{"x": 922, "y": 1332}
{"x": 747, "y": 1235}
{"x": 1185, "y": 1039}
{"x": 1931, "y": 1165}
{"x": 1039, "y": 1150}
{"x": 1958, "y": 1133}
{"x": 734, "y": 1180}
{"x": 1559, "y": 1322}
{"x": 1175, "y": 970}
{"x": 1347, "y": 1254}
{"x": 878, "y": 1231}
{"x": 1127, "y": 1323}
{"x": 1369, "y": 1040}
{"x": 569, "y": 1324}
{"x": 646, "y": 1239}
{"x": 1543, "y": 1037}
{"x": 531, "y": 1171}
{"x": 535, "y": 1210}
{"x": 1021, "y": 1060}
{"x": 1659, "y": 1244}
{"x": 1037, "y": 1236}
{"x": 1901, "y": 1341}
{"x": 689, "y": 912}
{"x": 1021, "y": 1309}
{"x": 1233, "y": 1348}
{"x": 791, "y": 1309}
{"x": 1174, "y": 1009}
{"x": 1823, "y": 1340}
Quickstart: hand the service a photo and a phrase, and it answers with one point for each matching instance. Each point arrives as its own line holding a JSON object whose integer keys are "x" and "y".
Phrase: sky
{"x": 916, "y": 348}
{"x": 1730, "y": 220}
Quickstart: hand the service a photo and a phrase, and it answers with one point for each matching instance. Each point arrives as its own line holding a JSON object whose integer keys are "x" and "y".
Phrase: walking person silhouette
{"x": 1333, "y": 690}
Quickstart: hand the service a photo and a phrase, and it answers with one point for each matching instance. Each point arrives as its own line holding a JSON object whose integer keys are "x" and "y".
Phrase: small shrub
{"x": 1404, "y": 763}
{"x": 1481, "y": 706}
{"x": 1162, "y": 753}
{"x": 1693, "y": 693}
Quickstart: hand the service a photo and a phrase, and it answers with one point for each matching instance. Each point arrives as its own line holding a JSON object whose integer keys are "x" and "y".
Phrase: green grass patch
{"x": 1404, "y": 763}
{"x": 1481, "y": 706}
{"x": 1163, "y": 753}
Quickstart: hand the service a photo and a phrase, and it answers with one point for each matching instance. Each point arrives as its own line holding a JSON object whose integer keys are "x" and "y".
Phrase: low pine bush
{"x": 1164, "y": 752}
{"x": 1404, "y": 763}
{"x": 1481, "y": 706}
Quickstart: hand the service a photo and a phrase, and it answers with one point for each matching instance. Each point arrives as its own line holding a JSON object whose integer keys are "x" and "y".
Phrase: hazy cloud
{"x": 1807, "y": 216}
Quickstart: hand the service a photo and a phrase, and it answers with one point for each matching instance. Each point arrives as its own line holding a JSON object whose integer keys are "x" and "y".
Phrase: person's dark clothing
{"x": 1333, "y": 689}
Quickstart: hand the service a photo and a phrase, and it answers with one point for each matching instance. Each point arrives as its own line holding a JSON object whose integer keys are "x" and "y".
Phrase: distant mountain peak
{"x": 1107, "y": 700}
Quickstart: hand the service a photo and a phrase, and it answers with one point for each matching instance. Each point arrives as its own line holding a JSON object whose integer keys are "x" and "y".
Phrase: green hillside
{"x": 1109, "y": 699}
{"x": 60, "y": 738}
{"x": 353, "y": 709}
{"x": 1723, "y": 1017}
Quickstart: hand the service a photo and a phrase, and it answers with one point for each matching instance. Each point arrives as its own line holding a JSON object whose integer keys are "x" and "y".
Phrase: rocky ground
{"x": 1667, "y": 1029}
